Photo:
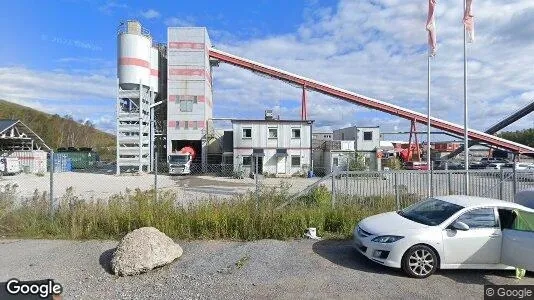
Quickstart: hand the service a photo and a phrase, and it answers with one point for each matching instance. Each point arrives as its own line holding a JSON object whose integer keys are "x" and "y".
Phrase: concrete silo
{"x": 137, "y": 73}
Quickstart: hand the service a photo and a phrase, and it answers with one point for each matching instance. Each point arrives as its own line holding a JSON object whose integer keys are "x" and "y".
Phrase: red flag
{"x": 469, "y": 21}
{"x": 431, "y": 27}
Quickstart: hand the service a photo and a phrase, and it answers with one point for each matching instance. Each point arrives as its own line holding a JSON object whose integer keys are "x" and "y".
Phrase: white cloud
{"x": 150, "y": 14}
{"x": 179, "y": 22}
{"x": 23, "y": 83}
{"x": 81, "y": 95}
{"x": 110, "y": 6}
{"x": 378, "y": 48}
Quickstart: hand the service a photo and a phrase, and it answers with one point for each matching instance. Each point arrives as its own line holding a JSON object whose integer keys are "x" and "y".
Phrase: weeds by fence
{"x": 243, "y": 217}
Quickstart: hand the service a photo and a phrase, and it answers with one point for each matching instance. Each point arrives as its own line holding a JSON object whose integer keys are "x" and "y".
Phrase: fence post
{"x": 514, "y": 186}
{"x": 466, "y": 185}
{"x": 347, "y": 182}
{"x": 501, "y": 185}
{"x": 52, "y": 163}
{"x": 449, "y": 184}
{"x": 256, "y": 180}
{"x": 333, "y": 188}
{"x": 432, "y": 178}
{"x": 156, "y": 176}
{"x": 397, "y": 196}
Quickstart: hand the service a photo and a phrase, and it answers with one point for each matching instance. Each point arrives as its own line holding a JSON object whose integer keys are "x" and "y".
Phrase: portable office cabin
{"x": 18, "y": 140}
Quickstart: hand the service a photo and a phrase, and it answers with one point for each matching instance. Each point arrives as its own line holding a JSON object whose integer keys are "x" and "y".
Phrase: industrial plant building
{"x": 164, "y": 100}
{"x": 165, "y": 105}
{"x": 276, "y": 147}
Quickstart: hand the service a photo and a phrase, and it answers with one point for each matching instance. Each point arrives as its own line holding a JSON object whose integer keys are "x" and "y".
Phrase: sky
{"x": 60, "y": 56}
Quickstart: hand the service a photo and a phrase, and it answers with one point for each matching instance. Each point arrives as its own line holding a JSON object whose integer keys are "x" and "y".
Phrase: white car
{"x": 448, "y": 232}
{"x": 495, "y": 166}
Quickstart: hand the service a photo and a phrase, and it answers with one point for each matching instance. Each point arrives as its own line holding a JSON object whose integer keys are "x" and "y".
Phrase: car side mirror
{"x": 460, "y": 226}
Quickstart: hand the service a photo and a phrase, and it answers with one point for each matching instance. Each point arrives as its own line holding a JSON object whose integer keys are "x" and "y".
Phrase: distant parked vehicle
{"x": 415, "y": 165}
{"x": 477, "y": 166}
{"x": 9, "y": 165}
{"x": 492, "y": 160}
{"x": 451, "y": 165}
{"x": 495, "y": 166}
{"x": 518, "y": 166}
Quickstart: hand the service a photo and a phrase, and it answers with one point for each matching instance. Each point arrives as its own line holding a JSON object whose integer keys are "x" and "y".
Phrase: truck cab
{"x": 180, "y": 163}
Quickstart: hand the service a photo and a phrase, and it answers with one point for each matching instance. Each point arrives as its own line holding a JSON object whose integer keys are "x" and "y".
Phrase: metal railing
{"x": 406, "y": 187}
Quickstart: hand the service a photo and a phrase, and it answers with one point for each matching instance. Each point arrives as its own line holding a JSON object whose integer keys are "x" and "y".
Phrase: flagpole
{"x": 466, "y": 138}
{"x": 428, "y": 162}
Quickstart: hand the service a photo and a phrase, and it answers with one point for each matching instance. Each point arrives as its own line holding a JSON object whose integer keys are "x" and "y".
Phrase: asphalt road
{"x": 302, "y": 269}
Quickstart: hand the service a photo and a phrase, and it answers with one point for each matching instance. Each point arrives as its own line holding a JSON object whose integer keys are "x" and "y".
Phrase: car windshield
{"x": 430, "y": 211}
{"x": 178, "y": 159}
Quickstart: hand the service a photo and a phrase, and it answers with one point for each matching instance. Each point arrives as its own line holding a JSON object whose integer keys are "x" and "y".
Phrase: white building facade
{"x": 278, "y": 147}
{"x": 189, "y": 92}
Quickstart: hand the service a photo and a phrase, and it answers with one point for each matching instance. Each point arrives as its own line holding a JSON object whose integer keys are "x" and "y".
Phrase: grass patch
{"x": 244, "y": 217}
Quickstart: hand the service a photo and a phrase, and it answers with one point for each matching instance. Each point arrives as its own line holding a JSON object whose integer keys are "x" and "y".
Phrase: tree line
{"x": 525, "y": 136}
{"x": 61, "y": 131}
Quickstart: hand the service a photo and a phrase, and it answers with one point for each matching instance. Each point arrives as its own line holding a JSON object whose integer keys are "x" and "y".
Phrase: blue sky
{"x": 60, "y": 56}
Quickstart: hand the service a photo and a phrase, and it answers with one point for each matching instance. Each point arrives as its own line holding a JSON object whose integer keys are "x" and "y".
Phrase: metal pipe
{"x": 118, "y": 110}
{"x": 466, "y": 133}
{"x": 140, "y": 126}
{"x": 52, "y": 162}
{"x": 397, "y": 196}
{"x": 151, "y": 145}
{"x": 156, "y": 175}
{"x": 429, "y": 181}
{"x": 256, "y": 180}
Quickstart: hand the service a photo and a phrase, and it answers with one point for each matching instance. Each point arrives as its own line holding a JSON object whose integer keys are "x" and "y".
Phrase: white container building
{"x": 279, "y": 147}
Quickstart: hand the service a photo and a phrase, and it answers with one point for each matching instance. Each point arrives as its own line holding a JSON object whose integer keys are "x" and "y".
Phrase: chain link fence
{"x": 398, "y": 189}
{"x": 97, "y": 180}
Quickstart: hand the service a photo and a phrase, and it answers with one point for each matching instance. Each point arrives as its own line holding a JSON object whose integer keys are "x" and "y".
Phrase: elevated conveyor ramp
{"x": 354, "y": 98}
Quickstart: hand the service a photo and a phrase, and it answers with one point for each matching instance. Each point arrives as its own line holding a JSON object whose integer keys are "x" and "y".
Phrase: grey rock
{"x": 142, "y": 250}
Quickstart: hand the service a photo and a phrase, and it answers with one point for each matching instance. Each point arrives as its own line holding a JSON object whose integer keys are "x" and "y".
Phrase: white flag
{"x": 431, "y": 27}
{"x": 469, "y": 21}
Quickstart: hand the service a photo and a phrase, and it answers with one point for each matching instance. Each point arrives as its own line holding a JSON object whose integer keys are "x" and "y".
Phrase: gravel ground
{"x": 101, "y": 186}
{"x": 301, "y": 269}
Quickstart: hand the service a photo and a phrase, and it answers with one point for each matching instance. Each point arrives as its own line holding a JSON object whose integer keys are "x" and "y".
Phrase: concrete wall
{"x": 272, "y": 163}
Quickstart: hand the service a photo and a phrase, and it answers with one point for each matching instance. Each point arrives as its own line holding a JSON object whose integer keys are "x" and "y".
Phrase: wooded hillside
{"x": 61, "y": 131}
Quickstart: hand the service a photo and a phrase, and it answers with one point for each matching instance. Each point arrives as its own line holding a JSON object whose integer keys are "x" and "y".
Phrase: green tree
{"x": 357, "y": 163}
{"x": 525, "y": 136}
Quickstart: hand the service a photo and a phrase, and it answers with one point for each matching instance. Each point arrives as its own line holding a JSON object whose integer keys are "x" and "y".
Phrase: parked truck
{"x": 180, "y": 162}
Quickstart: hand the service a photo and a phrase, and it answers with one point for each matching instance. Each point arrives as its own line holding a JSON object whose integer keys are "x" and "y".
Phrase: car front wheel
{"x": 420, "y": 261}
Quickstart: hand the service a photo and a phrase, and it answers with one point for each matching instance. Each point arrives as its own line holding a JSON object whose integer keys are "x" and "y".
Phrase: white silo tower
{"x": 154, "y": 68}
{"x": 137, "y": 70}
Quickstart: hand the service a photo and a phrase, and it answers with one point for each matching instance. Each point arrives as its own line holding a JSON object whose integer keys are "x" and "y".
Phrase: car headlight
{"x": 387, "y": 238}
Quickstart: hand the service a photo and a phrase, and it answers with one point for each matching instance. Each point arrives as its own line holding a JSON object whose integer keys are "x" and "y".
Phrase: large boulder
{"x": 142, "y": 250}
